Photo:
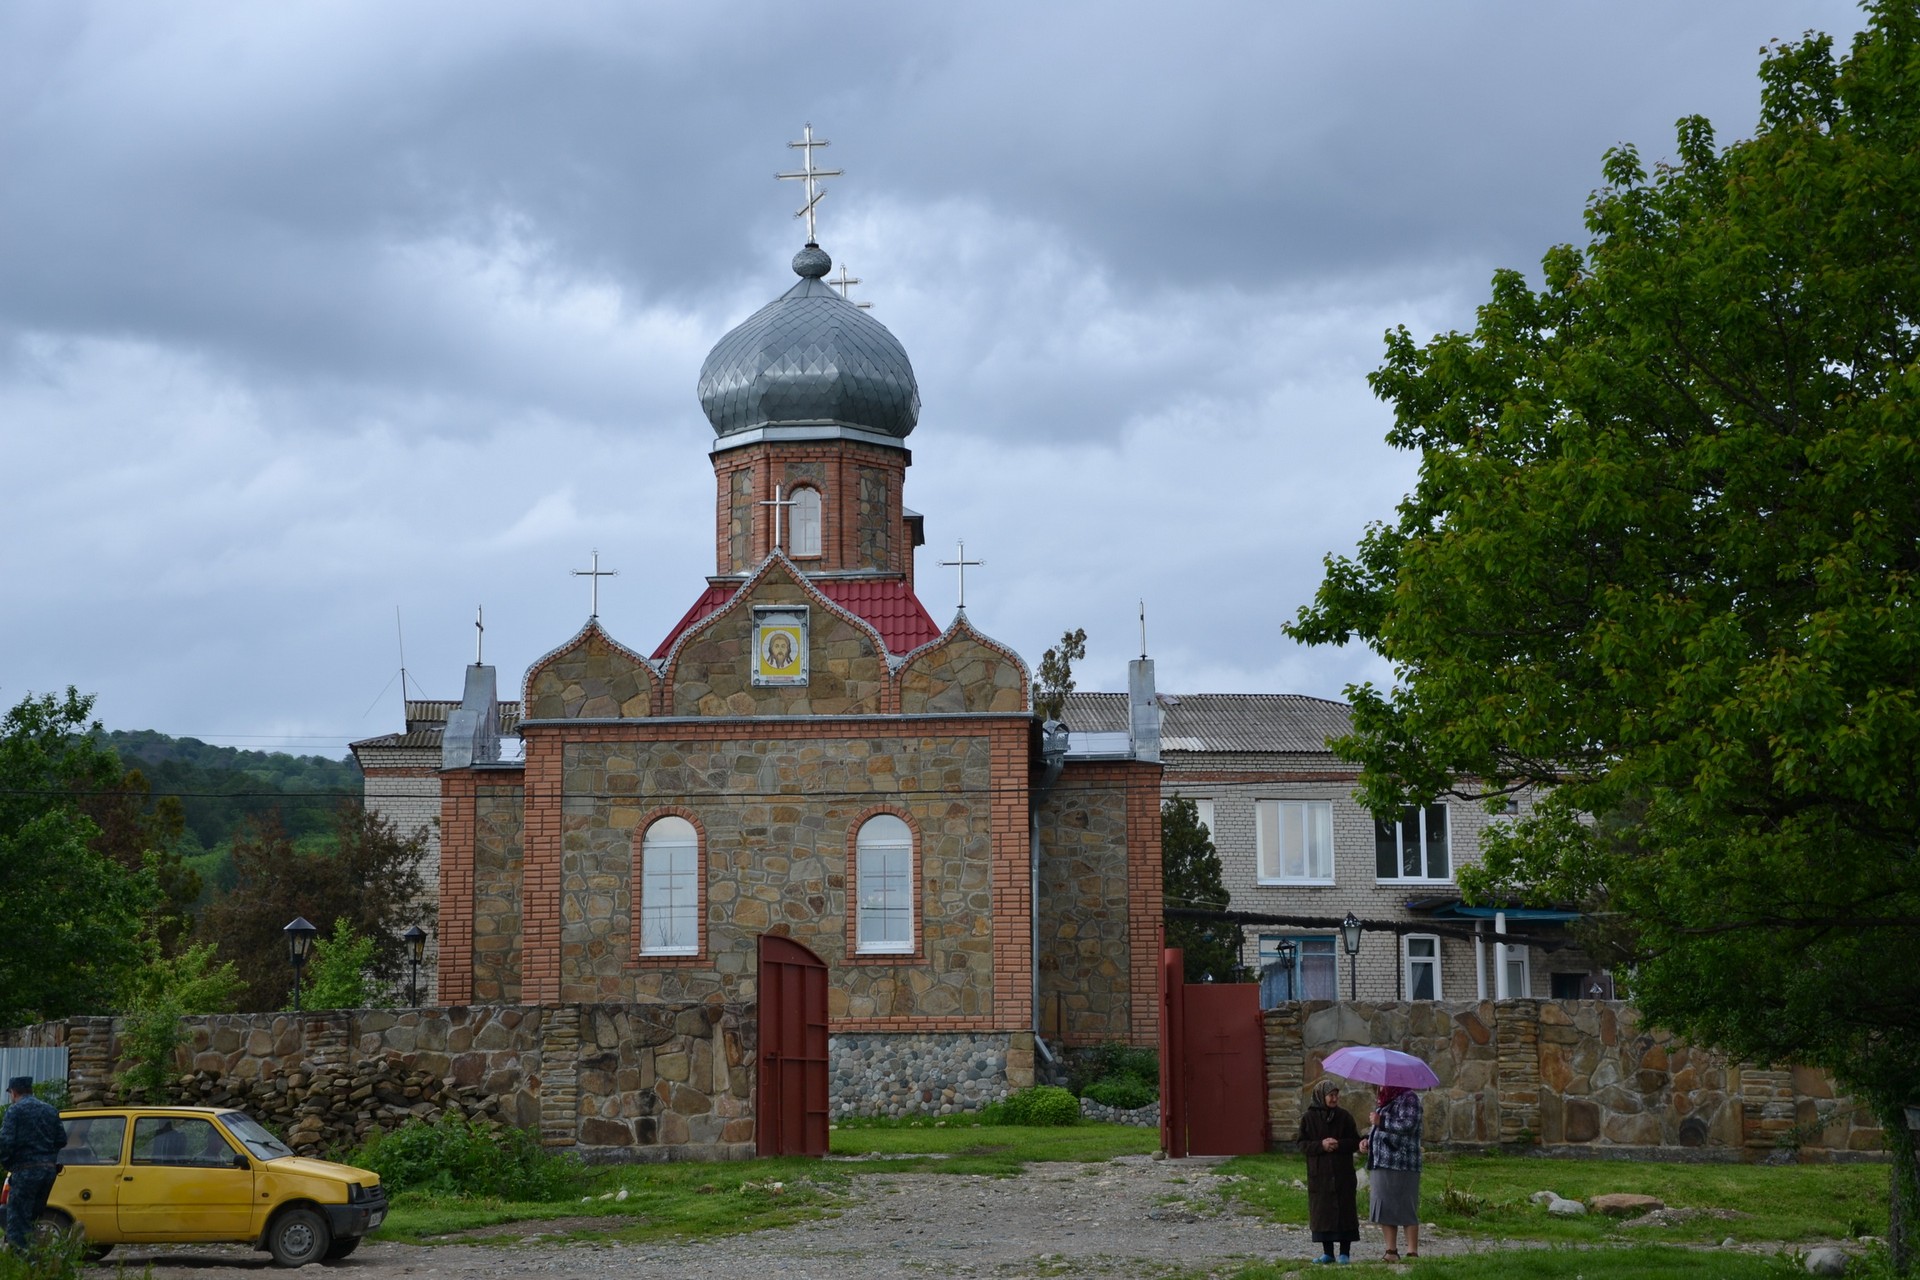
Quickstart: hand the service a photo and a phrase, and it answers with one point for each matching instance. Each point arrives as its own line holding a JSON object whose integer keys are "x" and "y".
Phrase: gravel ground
{"x": 1131, "y": 1216}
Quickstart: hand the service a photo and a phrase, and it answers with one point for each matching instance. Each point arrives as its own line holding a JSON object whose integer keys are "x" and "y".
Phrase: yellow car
{"x": 167, "y": 1175}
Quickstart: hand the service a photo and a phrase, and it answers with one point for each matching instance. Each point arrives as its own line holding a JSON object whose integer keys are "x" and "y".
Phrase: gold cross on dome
{"x": 844, "y": 282}
{"x": 811, "y": 176}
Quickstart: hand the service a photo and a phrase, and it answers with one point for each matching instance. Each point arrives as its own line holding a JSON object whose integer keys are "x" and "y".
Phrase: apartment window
{"x": 1413, "y": 846}
{"x": 1205, "y": 808}
{"x": 805, "y": 537}
{"x": 1295, "y": 841}
{"x": 884, "y": 885}
{"x": 670, "y": 888}
{"x": 1423, "y": 967}
{"x": 1519, "y": 974}
{"x": 1309, "y": 972}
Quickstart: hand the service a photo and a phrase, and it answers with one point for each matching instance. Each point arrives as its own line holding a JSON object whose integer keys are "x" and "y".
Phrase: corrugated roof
{"x": 889, "y": 604}
{"x": 1221, "y": 721}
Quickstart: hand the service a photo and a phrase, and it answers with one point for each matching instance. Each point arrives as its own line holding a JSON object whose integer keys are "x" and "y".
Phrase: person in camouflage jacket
{"x": 30, "y": 1136}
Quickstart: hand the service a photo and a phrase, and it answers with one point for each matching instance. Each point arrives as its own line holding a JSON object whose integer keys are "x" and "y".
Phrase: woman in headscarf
{"x": 1328, "y": 1138}
{"x": 1393, "y": 1167}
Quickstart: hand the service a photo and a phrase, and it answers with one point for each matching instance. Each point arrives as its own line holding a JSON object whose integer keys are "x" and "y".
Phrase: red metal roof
{"x": 890, "y": 605}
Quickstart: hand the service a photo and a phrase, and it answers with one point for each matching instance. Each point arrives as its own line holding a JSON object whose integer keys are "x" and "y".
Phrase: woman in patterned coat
{"x": 1393, "y": 1167}
{"x": 1328, "y": 1138}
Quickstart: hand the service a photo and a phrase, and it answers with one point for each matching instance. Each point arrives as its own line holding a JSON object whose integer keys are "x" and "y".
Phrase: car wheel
{"x": 53, "y": 1229}
{"x": 297, "y": 1237}
{"x": 341, "y": 1248}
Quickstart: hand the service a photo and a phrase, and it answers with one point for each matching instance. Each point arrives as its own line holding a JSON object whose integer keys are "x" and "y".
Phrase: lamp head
{"x": 300, "y": 935}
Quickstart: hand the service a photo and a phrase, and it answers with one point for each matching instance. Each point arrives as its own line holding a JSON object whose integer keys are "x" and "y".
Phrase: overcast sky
{"x": 312, "y": 311}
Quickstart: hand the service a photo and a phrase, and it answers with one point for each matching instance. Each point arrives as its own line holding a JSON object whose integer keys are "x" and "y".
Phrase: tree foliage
{"x": 1663, "y": 558}
{"x": 1054, "y": 679}
{"x": 70, "y": 917}
{"x": 1190, "y": 876}
{"x": 340, "y": 974}
{"x": 369, "y": 877}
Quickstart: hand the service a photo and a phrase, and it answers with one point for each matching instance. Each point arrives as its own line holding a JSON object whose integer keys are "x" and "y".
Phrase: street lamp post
{"x": 1289, "y": 951}
{"x": 300, "y": 935}
{"x": 1350, "y": 938}
{"x": 416, "y": 939}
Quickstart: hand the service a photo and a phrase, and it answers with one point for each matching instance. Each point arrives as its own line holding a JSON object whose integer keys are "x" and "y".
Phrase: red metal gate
{"x": 1213, "y": 1065}
{"x": 791, "y": 1098}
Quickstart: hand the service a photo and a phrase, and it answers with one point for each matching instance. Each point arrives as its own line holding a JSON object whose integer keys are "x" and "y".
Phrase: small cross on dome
{"x": 811, "y": 176}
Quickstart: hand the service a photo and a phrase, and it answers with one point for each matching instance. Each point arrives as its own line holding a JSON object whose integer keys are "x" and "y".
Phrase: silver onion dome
{"x": 810, "y": 358}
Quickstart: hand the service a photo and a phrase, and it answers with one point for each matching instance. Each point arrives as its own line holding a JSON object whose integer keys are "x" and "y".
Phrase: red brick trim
{"x": 401, "y": 771}
{"x": 540, "y": 931}
{"x": 1177, "y": 777}
{"x": 454, "y": 944}
{"x": 1144, "y": 900}
{"x": 636, "y": 958}
{"x": 853, "y": 957}
{"x": 1009, "y": 780}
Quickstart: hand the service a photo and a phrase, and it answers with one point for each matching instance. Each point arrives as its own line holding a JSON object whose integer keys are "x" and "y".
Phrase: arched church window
{"x": 806, "y": 522}
{"x": 884, "y": 885}
{"x": 670, "y": 888}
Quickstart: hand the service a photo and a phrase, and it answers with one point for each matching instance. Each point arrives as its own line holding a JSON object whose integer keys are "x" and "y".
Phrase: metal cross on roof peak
{"x": 962, "y": 564}
{"x": 843, "y": 283}
{"x": 811, "y": 176}
{"x": 596, "y": 573}
{"x": 778, "y": 504}
{"x": 480, "y": 633}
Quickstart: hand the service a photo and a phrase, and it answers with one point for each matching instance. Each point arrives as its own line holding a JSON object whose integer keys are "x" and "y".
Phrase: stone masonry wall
{"x": 1568, "y": 1077}
{"x": 609, "y": 1082}
{"x": 898, "y": 1075}
{"x": 770, "y": 861}
{"x": 1086, "y": 982}
{"x": 498, "y": 830}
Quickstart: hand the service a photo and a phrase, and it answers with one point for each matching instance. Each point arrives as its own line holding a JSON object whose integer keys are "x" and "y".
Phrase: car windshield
{"x": 258, "y": 1140}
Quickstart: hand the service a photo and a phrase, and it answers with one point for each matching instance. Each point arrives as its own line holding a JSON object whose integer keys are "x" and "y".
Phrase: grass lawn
{"x": 1635, "y": 1262}
{"x": 687, "y": 1200}
{"x": 1487, "y": 1197}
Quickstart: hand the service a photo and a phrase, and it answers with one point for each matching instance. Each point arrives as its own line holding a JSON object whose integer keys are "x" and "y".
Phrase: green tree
{"x": 1054, "y": 680}
{"x": 339, "y": 975}
{"x": 366, "y": 874}
{"x": 1190, "y": 876}
{"x": 70, "y": 918}
{"x": 1662, "y": 559}
{"x": 159, "y": 995}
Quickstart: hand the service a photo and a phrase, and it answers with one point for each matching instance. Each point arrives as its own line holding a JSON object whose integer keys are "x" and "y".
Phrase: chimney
{"x": 1143, "y": 710}
{"x": 473, "y": 729}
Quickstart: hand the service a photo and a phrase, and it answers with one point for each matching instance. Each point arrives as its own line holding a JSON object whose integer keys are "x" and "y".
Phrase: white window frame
{"x": 804, "y": 531}
{"x": 1204, "y": 807}
{"x": 1518, "y": 956}
{"x": 883, "y": 886}
{"x": 1267, "y": 949}
{"x": 1408, "y": 960}
{"x": 670, "y": 888}
{"x": 1309, "y": 818}
{"x": 1419, "y": 824}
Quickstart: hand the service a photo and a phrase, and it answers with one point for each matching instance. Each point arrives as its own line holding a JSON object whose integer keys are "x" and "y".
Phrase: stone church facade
{"x": 807, "y": 754}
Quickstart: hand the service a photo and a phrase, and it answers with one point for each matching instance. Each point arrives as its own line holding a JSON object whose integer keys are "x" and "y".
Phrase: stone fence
{"x": 633, "y": 1082}
{"x": 1569, "y": 1078}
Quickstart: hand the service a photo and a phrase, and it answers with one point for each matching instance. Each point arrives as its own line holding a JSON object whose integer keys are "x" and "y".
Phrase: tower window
{"x": 806, "y": 522}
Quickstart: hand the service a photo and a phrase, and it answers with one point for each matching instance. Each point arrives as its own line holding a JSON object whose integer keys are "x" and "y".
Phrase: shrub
{"x": 1041, "y": 1106}
{"x": 452, "y": 1156}
{"x": 1128, "y": 1093}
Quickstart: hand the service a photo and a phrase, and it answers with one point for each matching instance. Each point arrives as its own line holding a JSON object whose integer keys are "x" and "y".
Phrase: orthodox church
{"x": 805, "y": 754}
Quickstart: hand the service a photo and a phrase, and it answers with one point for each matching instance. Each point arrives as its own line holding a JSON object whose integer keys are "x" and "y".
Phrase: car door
{"x": 89, "y": 1183}
{"x": 183, "y": 1181}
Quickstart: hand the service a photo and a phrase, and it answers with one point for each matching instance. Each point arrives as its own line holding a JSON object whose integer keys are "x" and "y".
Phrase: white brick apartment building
{"x": 1297, "y": 849}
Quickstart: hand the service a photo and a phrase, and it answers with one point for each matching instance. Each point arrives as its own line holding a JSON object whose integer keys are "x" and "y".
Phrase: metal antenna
{"x": 596, "y": 573}
{"x": 1143, "y": 630}
{"x": 961, "y": 564}
{"x": 401, "y": 635}
{"x": 844, "y": 282}
{"x": 811, "y": 176}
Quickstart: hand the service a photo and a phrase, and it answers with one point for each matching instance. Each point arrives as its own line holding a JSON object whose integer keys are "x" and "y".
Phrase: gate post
{"x": 1173, "y": 1066}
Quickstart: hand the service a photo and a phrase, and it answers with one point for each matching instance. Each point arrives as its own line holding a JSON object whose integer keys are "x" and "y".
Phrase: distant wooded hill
{"x": 219, "y": 788}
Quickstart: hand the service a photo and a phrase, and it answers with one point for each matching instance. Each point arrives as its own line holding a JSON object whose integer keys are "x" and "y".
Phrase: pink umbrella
{"x": 1381, "y": 1066}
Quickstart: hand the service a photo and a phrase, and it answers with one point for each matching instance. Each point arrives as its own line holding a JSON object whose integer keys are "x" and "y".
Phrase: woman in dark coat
{"x": 1328, "y": 1138}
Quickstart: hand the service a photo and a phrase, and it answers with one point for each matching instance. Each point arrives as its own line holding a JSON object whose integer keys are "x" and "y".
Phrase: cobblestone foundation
{"x": 1147, "y": 1117}
{"x": 900, "y": 1075}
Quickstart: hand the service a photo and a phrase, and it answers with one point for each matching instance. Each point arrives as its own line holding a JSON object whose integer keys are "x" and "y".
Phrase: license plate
{"x": 376, "y": 1218}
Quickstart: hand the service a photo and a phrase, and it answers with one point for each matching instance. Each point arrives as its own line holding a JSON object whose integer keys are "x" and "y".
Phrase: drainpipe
{"x": 1499, "y": 956}
{"x": 1479, "y": 960}
{"x": 1053, "y": 758}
